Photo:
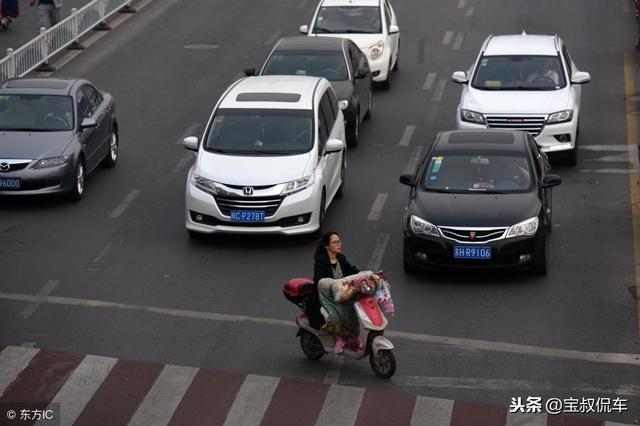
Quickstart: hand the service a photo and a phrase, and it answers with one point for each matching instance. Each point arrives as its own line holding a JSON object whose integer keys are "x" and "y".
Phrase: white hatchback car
{"x": 525, "y": 82}
{"x": 271, "y": 160}
{"x": 370, "y": 24}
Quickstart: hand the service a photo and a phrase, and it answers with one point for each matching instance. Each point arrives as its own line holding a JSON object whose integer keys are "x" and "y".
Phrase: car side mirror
{"x": 459, "y": 77}
{"x": 249, "y": 72}
{"x": 394, "y": 29}
{"x": 304, "y": 29}
{"x": 362, "y": 73}
{"x": 190, "y": 143}
{"x": 333, "y": 145}
{"x": 408, "y": 180}
{"x": 580, "y": 77}
{"x": 88, "y": 123}
{"x": 551, "y": 180}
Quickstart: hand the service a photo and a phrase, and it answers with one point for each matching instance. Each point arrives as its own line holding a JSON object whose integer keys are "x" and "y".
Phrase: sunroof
{"x": 505, "y": 138}
{"x": 268, "y": 97}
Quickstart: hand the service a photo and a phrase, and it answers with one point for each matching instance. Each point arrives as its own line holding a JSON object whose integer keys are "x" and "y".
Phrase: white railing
{"x": 51, "y": 41}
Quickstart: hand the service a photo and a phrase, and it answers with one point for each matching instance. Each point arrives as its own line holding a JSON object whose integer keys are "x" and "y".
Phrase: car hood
{"x": 481, "y": 210}
{"x": 515, "y": 101}
{"x": 343, "y": 89}
{"x": 253, "y": 171}
{"x": 32, "y": 145}
{"x": 363, "y": 41}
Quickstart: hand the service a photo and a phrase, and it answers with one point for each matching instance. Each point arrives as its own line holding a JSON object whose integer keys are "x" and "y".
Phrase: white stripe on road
{"x": 28, "y": 310}
{"x": 164, "y": 397}
{"x": 125, "y": 203}
{"x": 378, "y": 252}
{"x": 612, "y": 147}
{"x": 458, "y": 43}
{"x": 447, "y": 38}
{"x": 615, "y": 424}
{"x": 183, "y": 162}
{"x": 114, "y": 244}
{"x": 439, "y": 92}
{"x": 609, "y": 171}
{"x": 333, "y": 374}
{"x": 470, "y": 344}
{"x": 413, "y": 161}
{"x": 431, "y": 411}
{"x": 80, "y": 387}
{"x": 428, "y": 83}
{"x": 469, "y": 12}
{"x": 341, "y": 406}
{"x": 526, "y": 419}
{"x": 461, "y": 3}
{"x": 252, "y": 400}
{"x": 13, "y": 359}
{"x": 432, "y": 115}
{"x": 273, "y": 38}
{"x": 378, "y": 205}
{"x": 405, "y": 140}
{"x": 192, "y": 130}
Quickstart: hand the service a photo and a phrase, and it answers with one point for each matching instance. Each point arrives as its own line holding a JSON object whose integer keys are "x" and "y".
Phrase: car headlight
{"x": 560, "y": 116}
{"x": 205, "y": 184}
{"x": 343, "y": 104}
{"x": 297, "y": 185}
{"x": 375, "y": 50}
{"x": 527, "y": 227}
{"x": 471, "y": 116}
{"x": 422, "y": 227}
{"x": 52, "y": 162}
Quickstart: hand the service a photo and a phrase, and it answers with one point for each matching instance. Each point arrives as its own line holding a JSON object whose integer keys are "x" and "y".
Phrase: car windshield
{"x": 260, "y": 132}
{"x": 37, "y": 113}
{"x": 330, "y": 65}
{"x": 519, "y": 73}
{"x": 465, "y": 172}
{"x": 348, "y": 19}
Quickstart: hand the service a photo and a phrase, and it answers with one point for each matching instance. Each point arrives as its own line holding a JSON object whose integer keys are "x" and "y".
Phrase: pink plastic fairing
{"x": 371, "y": 308}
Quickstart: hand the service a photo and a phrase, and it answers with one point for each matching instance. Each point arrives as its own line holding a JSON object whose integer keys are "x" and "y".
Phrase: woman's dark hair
{"x": 323, "y": 243}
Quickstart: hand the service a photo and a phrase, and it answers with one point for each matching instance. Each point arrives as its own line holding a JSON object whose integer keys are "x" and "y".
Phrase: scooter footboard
{"x": 381, "y": 343}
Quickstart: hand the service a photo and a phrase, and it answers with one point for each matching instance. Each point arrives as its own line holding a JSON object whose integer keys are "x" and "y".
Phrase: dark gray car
{"x": 53, "y": 133}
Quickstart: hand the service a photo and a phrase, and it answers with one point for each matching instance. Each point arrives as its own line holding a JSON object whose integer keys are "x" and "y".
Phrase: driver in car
{"x": 543, "y": 72}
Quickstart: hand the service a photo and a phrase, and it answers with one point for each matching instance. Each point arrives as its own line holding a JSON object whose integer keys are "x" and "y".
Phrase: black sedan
{"x": 338, "y": 60}
{"x": 479, "y": 198}
{"x": 54, "y": 132}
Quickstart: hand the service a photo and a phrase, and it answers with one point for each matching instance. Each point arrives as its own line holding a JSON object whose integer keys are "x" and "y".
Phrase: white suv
{"x": 271, "y": 160}
{"x": 371, "y": 24}
{"x": 526, "y": 82}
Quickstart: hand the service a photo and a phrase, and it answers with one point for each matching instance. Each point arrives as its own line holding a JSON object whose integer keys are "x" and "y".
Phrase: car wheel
{"x": 79, "y": 177}
{"x": 354, "y": 133}
{"x": 539, "y": 267}
{"x": 321, "y": 215}
{"x": 111, "y": 158}
{"x": 367, "y": 116}
{"x": 343, "y": 172}
{"x": 396, "y": 66}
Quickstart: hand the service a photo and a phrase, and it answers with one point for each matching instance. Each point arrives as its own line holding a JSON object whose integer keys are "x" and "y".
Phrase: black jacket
{"x": 322, "y": 267}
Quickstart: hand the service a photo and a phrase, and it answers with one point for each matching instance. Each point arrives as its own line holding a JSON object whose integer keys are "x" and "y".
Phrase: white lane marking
{"x": 413, "y": 161}
{"x": 432, "y": 115}
{"x": 461, "y": 3}
{"x": 526, "y": 419}
{"x": 458, "y": 43}
{"x": 625, "y": 6}
{"x": 439, "y": 92}
{"x": 125, "y": 203}
{"x": 470, "y": 344}
{"x": 191, "y": 131}
{"x": 610, "y": 171}
{"x": 614, "y": 424}
{"x": 469, "y": 12}
{"x": 48, "y": 288}
{"x": 428, "y": 83}
{"x": 13, "y": 359}
{"x": 431, "y": 411}
{"x": 618, "y": 158}
{"x": 161, "y": 402}
{"x": 407, "y": 134}
{"x": 341, "y": 406}
{"x": 252, "y": 400}
{"x": 114, "y": 243}
{"x": 447, "y": 37}
{"x": 186, "y": 158}
{"x": 614, "y": 147}
{"x": 378, "y": 205}
{"x": 333, "y": 374}
{"x": 378, "y": 252}
{"x": 272, "y": 39}
{"x": 80, "y": 387}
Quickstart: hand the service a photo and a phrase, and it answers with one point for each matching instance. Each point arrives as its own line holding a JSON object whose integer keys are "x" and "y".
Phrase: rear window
{"x": 348, "y": 19}
{"x": 329, "y": 65}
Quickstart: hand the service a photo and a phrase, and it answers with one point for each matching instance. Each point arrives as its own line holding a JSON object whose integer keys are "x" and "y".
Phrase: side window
{"x": 354, "y": 56}
{"x": 538, "y": 158}
{"x": 322, "y": 131}
{"x": 387, "y": 15}
{"x": 95, "y": 98}
{"x": 83, "y": 105}
{"x": 333, "y": 101}
{"x": 567, "y": 59}
{"x": 327, "y": 111}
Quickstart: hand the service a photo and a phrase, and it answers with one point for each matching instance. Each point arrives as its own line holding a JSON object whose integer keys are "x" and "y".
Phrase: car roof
{"x": 272, "y": 92}
{"x": 44, "y": 86}
{"x": 490, "y": 140}
{"x": 305, "y": 43}
{"x": 521, "y": 44}
{"x": 330, "y": 3}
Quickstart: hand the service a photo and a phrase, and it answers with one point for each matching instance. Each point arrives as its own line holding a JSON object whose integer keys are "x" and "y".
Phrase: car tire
{"x": 367, "y": 115}
{"x": 321, "y": 215}
{"x": 111, "y": 158}
{"x": 396, "y": 66}
{"x": 343, "y": 172}
{"x": 540, "y": 266}
{"x": 79, "y": 179}
{"x": 354, "y": 132}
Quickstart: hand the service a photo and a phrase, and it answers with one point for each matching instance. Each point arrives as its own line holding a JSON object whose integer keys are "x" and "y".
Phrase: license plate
{"x": 250, "y": 216}
{"x": 465, "y": 252}
{"x": 9, "y": 183}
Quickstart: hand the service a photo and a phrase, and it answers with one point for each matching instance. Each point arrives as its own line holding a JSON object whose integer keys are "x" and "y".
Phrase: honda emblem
{"x": 247, "y": 190}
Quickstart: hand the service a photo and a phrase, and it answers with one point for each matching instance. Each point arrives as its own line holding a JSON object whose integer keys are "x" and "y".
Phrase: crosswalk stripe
{"x": 526, "y": 419}
{"x": 431, "y": 411}
{"x": 306, "y": 397}
{"x": 80, "y": 387}
{"x": 13, "y": 359}
{"x": 252, "y": 400}
{"x": 396, "y": 410}
{"x": 463, "y": 411}
{"x": 341, "y": 406}
{"x": 165, "y": 395}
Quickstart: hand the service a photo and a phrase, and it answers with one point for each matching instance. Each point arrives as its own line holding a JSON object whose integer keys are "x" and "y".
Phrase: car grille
{"x": 529, "y": 123}
{"x": 470, "y": 235}
{"x": 227, "y": 203}
{"x": 13, "y": 167}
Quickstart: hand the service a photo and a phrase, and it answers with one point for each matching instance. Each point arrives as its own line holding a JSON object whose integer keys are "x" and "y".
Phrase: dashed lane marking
{"x": 461, "y": 3}
{"x": 439, "y": 92}
{"x": 458, "y": 43}
{"x": 413, "y": 160}
{"x": 407, "y": 134}
{"x": 447, "y": 37}
{"x": 48, "y": 288}
{"x": 378, "y": 252}
{"x": 125, "y": 203}
{"x": 114, "y": 244}
{"x": 428, "y": 83}
{"x": 469, "y": 12}
{"x": 378, "y": 205}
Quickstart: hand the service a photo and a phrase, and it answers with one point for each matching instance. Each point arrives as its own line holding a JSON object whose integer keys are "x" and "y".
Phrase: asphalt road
{"x": 509, "y": 334}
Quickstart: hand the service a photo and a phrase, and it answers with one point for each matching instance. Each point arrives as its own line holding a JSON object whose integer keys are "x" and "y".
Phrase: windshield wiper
{"x": 484, "y": 191}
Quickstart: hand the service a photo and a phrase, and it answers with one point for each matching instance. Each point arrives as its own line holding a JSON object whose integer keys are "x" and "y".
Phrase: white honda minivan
{"x": 271, "y": 160}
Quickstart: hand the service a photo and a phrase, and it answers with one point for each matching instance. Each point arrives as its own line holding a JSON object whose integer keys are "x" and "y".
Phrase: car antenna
{"x": 524, "y": 33}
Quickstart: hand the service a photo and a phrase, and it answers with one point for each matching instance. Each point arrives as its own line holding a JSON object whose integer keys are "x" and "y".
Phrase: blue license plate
{"x": 250, "y": 216}
{"x": 9, "y": 183}
{"x": 466, "y": 252}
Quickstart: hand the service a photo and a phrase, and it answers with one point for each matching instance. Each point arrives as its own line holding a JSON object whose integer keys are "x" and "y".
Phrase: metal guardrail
{"x": 51, "y": 41}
